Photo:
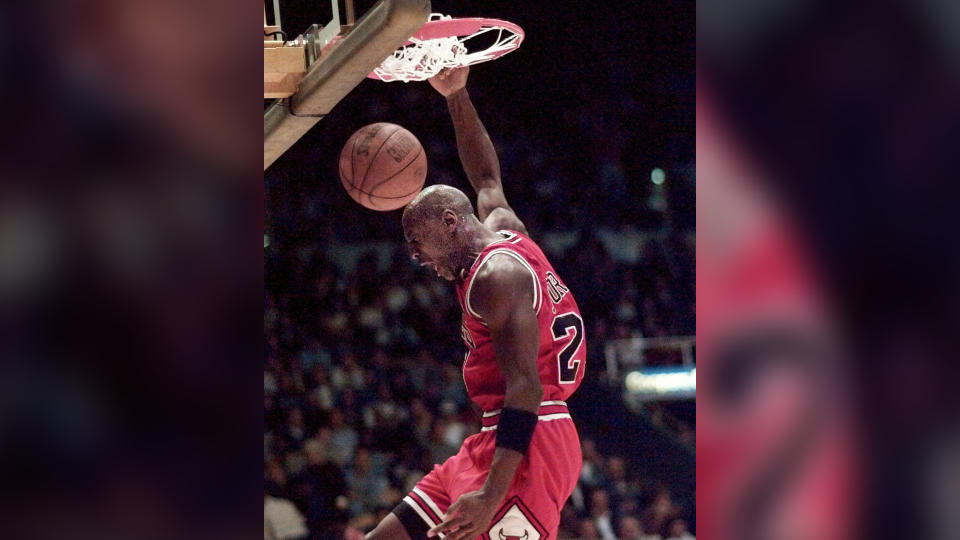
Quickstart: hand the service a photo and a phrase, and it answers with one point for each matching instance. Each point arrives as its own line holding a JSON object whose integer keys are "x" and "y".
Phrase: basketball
{"x": 383, "y": 166}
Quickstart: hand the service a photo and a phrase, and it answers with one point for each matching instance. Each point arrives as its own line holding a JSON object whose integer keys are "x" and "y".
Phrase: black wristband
{"x": 515, "y": 429}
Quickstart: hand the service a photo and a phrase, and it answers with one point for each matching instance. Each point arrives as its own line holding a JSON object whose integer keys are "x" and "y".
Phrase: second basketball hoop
{"x": 445, "y": 42}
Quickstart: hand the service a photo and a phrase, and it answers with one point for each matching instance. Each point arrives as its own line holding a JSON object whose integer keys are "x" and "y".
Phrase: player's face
{"x": 429, "y": 247}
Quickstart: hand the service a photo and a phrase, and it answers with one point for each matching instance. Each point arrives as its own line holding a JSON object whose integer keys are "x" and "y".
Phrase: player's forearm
{"x": 477, "y": 154}
{"x": 524, "y": 392}
{"x": 524, "y": 395}
{"x": 502, "y": 469}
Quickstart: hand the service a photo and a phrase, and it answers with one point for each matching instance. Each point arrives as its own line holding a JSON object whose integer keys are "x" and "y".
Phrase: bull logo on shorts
{"x": 515, "y": 521}
{"x": 526, "y": 535}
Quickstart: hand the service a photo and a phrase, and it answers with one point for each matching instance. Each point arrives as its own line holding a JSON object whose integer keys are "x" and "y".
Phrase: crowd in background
{"x": 363, "y": 392}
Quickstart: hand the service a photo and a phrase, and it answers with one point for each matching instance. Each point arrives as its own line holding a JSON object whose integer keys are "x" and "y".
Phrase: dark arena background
{"x": 593, "y": 121}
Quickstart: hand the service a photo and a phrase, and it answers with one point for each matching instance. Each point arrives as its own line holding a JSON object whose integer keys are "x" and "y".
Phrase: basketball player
{"x": 526, "y": 353}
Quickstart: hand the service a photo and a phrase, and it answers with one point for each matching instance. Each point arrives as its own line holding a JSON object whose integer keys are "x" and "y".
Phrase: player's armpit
{"x": 502, "y": 217}
{"x": 490, "y": 197}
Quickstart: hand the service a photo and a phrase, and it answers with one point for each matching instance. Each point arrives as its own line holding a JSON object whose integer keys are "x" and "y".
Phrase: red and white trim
{"x": 510, "y": 236}
{"x": 424, "y": 506}
{"x": 432, "y": 505}
{"x": 549, "y": 410}
{"x": 537, "y": 300}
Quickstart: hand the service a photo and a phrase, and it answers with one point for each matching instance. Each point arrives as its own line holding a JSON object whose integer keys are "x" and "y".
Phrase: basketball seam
{"x": 371, "y": 194}
{"x": 387, "y": 179}
{"x": 373, "y": 158}
{"x": 344, "y": 180}
{"x": 353, "y": 162}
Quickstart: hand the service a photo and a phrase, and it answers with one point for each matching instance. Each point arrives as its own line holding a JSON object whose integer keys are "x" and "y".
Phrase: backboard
{"x": 309, "y": 74}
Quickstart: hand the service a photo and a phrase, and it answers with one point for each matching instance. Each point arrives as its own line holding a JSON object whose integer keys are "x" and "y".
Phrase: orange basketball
{"x": 383, "y": 166}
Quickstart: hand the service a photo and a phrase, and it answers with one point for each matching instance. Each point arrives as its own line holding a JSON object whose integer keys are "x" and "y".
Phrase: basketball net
{"x": 441, "y": 43}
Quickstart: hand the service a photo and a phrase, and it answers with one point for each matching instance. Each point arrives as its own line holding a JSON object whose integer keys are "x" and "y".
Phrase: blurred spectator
{"x": 320, "y": 488}
{"x": 295, "y": 431}
{"x": 321, "y": 396}
{"x": 621, "y": 489}
{"x": 454, "y": 431}
{"x": 601, "y": 515}
{"x": 383, "y": 418}
{"x": 588, "y": 530}
{"x": 342, "y": 440}
{"x": 630, "y": 529}
{"x": 352, "y": 533}
{"x": 678, "y": 531}
{"x": 282, "y": 520}
{"x": 659, "y": 514}
{"x": 569, "y": 522}
{"x": 440, "y": 449}
{"x": 366, "y": 483}
{"x": 591, "y": 475}
{"x": 422, "y": 422}
{"x": 277, "y": 479}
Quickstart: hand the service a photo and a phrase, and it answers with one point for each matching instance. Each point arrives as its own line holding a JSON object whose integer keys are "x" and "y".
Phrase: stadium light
{"x": 657, "y": 176}
{"x": 662, "y": 383}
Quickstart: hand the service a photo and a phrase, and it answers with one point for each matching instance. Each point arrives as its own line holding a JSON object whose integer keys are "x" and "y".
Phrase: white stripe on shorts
{"x": 488, "y": 414}
{"x": 429, "y": 501}
{"x": 544, "y": 418}
{"x": 416, "y": 508}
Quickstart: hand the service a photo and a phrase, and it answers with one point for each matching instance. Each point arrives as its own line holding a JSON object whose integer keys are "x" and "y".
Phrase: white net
{"x": 422, "y": 59}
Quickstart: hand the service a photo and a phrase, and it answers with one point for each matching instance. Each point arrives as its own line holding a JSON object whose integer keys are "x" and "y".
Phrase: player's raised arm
{"x": 477, "y": 154}
{"x": 502, "y": 294}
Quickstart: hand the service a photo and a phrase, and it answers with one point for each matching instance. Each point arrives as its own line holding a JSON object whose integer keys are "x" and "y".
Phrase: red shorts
{"x": 544, "y": 479}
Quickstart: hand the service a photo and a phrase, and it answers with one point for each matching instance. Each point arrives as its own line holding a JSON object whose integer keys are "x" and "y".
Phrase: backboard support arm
{"x": 381, "y": 30}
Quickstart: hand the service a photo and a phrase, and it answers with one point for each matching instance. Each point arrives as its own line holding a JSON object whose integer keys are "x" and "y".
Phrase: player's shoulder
{"x": 502, "y": 280}
{"x": 501, "y": 267}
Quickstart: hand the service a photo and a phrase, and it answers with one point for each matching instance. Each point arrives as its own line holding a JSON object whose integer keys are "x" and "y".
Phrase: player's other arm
{"x": 477, "y": 154}
{"x": 503, "y": 294}
{"x": 505, "y": 297}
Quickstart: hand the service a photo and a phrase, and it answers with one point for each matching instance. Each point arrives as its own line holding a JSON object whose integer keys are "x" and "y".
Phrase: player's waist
{"x": 549, "y": 410}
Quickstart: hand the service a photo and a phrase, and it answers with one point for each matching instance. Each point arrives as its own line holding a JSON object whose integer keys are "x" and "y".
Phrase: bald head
{"x": 442, "y": 231}
{"x": 432, "y": 201}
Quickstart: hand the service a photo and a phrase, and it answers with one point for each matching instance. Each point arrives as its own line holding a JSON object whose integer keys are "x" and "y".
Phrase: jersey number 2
{"x": 562, "y": 325}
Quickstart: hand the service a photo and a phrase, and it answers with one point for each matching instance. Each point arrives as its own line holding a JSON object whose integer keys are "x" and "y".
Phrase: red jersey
{"x": 562, "y": 355}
